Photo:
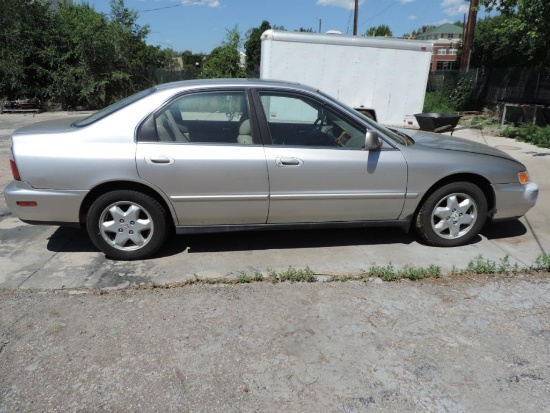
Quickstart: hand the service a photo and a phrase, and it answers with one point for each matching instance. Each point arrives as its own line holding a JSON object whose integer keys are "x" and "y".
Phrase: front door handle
{"x": 288, "y": 161}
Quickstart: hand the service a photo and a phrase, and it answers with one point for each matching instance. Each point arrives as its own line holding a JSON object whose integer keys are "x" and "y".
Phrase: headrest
{"x": 244, "y": 129}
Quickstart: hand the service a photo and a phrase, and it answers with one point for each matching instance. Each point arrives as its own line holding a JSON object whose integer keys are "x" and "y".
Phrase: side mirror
{"x": 372, "y": 140}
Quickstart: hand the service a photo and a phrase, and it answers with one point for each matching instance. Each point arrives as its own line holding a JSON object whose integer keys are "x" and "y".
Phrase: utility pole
{"x": 355, "y": 15}
{"x": 468, "y": 40}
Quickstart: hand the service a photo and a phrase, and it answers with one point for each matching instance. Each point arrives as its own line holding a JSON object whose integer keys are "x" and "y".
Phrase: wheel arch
{"x": 478, "y": 180}
{"x": 122, "y": 185}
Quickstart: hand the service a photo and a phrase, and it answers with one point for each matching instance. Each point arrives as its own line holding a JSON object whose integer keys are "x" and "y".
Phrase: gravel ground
{"x": 467, "y": 344}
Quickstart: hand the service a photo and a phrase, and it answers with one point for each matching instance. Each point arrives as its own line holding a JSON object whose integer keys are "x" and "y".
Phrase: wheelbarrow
{"x": 437, "y": 122}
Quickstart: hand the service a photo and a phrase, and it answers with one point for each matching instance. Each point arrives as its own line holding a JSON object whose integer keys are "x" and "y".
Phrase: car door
{"x": 319, "y": 170}
{"x": 198, "y": 152}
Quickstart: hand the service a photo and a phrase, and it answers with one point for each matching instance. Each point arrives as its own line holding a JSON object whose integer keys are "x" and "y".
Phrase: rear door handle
{"x": 288, "y": 161}
{"x": 159, "y": 160}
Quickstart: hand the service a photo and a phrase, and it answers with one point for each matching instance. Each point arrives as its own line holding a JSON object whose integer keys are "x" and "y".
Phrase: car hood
{"x": 49, "y": 126}
{"x": 450, "y": 143}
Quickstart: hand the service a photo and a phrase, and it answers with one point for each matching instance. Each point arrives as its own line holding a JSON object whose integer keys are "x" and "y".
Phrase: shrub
{"x": 461, "y": 96}
{"x": 438, "y": 102}
{"x": 529, "y": 133}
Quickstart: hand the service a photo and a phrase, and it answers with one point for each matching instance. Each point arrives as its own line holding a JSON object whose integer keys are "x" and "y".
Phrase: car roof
{"x": 233, "y": 83}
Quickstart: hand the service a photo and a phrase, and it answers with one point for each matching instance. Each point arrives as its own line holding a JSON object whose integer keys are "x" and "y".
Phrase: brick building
{"x": 445, "y": 40}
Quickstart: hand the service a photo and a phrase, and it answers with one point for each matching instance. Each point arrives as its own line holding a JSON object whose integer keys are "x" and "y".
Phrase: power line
{"x": 174, "y": 5}
{"x": 378, "y": 14}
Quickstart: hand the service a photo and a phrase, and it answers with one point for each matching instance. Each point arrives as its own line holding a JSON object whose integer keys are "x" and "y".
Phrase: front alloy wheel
{"x": 127, "y": 225}
{"x": 453, "y": 215}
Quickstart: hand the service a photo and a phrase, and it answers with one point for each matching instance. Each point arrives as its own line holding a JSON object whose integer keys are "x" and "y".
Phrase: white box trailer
{"x": 381, "y": 76}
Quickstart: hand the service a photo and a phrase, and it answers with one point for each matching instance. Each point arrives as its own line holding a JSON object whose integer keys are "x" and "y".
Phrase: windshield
{"x": 399, "y": 138}
{"x": 113, "y": 108}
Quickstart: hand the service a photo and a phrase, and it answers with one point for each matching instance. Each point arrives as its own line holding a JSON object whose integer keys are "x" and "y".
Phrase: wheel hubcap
{"x": 126, "y": 226}
{"x": 454, "y": 216}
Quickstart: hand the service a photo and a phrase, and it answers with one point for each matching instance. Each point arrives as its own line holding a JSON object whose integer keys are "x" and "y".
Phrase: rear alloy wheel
{"x": 127, "y": 225}
{"x": 453, "y": 215}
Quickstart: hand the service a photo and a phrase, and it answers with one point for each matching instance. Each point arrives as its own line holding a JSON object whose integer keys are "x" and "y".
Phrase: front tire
{"x": 127, "y": 225}
{"x": 452, "y": 215}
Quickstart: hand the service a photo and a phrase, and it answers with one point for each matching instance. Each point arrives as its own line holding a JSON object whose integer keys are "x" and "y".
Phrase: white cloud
{"x": 405, "y": 1}
{"x": 209, "y": 3}
{"x": 412, "y": 17}
{"x": 454, "y": 7}
{"x": 346, "y": 4}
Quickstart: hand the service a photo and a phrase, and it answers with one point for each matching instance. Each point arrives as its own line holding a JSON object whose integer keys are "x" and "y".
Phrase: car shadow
{"x": 66, "y": 239}
{"x": 290, "y": 239}
{"x": 507, "y": 229}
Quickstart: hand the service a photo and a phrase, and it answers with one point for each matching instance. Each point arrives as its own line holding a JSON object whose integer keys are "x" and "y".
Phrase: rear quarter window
{"x": 100, "y": 114}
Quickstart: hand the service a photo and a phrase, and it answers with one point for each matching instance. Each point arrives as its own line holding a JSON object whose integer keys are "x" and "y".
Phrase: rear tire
{"x": 127, "y": 225}
{"x": 452, "y": 215}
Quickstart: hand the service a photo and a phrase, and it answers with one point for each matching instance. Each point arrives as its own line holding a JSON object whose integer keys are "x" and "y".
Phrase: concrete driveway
{"x": 42, "y": 257}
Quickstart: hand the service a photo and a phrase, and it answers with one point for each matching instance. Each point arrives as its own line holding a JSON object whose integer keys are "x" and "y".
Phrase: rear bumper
{"x": 52, "y": 206}
{"x": 514, "y": 200}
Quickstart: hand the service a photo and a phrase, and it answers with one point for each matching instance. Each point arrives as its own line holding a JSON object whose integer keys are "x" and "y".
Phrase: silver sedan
{"x": 231, "y": 155}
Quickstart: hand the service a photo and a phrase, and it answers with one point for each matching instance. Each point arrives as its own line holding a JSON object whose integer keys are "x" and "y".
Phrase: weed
{"x": 479, "y": 265}
{"x": 294, "y": 275}
{"x": 272, "y": 275}
{"x": 386, "y": 273}
{"x": 504, "y": 267}
{"x": 258, "y": 276}
{"x": 542, "y": 263}
{"x": 243, "y": 277}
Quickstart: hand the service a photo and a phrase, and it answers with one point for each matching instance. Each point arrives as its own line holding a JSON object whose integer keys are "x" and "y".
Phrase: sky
{"x": 200, "y": 25}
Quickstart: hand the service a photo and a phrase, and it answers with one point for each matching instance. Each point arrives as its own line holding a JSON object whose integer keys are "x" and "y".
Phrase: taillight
{"x": 14, "y": 170}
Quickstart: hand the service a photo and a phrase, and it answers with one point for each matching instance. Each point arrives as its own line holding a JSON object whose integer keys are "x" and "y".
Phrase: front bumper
{"x": 52, "y": 206}
{"x": 514, "y": 200}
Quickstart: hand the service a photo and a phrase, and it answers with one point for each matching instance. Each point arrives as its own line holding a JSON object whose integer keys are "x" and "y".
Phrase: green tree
{"x": 382, "y": 30}
{"x": 97, "y": 59}
{"x": 225, "y": 60}
{"x": 530, "y": 19}
{"x": 253, "y": 46}
{"x": 126, "y": 19}
{"x": 192, "y": 59}
{"x": 496, "y": 44}
{"x": 304, "y": 30}
{"x": 25, "y": 31}
{"x": 75, "y": 56}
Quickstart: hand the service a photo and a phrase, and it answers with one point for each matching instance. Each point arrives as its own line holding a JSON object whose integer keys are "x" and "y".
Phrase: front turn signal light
{"x": 524, "y": 177}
